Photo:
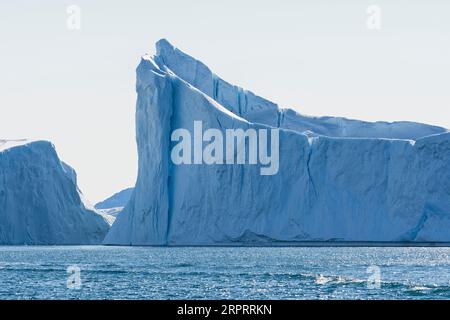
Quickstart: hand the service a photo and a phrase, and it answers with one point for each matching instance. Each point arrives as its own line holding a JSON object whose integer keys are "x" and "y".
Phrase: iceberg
{"x": 338, "y": 179}
{"x": 40, "y": 202}
{"x": 114, "y": 204}
{"x": 119, "y": 199}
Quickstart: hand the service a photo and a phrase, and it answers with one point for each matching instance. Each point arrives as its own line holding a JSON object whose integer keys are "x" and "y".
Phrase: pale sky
{"x": 76, "y": 87}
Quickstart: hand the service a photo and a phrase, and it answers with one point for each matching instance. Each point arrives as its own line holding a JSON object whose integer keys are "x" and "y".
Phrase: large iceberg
{"x": 338, "y": 179}
{"x": 39, "y": 199}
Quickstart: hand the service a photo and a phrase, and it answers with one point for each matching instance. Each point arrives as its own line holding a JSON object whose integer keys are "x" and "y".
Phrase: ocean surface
{"x": 98, "y": 272}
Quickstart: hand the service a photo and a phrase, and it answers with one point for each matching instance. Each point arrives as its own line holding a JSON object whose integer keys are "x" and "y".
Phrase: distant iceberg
{"x": 119, "y": 199}
{"x": 338, "y": 179}
{"x": 40, "y": 202}
{"x": 114, "y": 204}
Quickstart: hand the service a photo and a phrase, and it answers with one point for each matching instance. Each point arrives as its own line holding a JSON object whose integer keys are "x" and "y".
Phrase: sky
{"x": 76, "y": 86}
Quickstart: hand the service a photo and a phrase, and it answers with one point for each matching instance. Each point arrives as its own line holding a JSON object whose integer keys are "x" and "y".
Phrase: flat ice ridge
{"x": 7, "y": 144}
{"x": 338, "y": 179}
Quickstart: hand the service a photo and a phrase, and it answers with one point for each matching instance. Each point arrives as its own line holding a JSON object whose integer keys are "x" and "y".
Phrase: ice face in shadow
{"x": 39, "y": 199}
{"x": 338, "y": 179}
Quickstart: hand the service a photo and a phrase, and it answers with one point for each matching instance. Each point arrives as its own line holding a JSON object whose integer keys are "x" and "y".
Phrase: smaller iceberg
{"x": 40, "y": 203}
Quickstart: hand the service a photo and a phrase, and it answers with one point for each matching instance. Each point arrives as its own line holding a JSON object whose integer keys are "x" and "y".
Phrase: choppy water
{"x": 224, "y": 273}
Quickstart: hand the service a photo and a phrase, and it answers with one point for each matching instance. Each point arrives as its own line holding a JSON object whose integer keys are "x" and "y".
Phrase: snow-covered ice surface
{"x": 111, "y": 212}
{"x": 39, "y": 199}
{"x": 7, "y": 144}
{"x": 338, "y": 180}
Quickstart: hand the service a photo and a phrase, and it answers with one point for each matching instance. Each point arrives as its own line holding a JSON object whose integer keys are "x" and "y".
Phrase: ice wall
{"x": 359, "y": 182}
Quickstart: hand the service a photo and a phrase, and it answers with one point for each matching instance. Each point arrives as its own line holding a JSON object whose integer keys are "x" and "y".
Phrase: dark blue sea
{"x": 99, "y": 272}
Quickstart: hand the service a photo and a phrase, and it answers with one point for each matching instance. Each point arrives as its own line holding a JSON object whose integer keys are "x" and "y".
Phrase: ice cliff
{"x": 338, "y": 179}
{"x": 39, "y": 199}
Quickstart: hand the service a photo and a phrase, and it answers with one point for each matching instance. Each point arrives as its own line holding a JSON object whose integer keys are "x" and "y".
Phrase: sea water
{"x": 100, "y": 272}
